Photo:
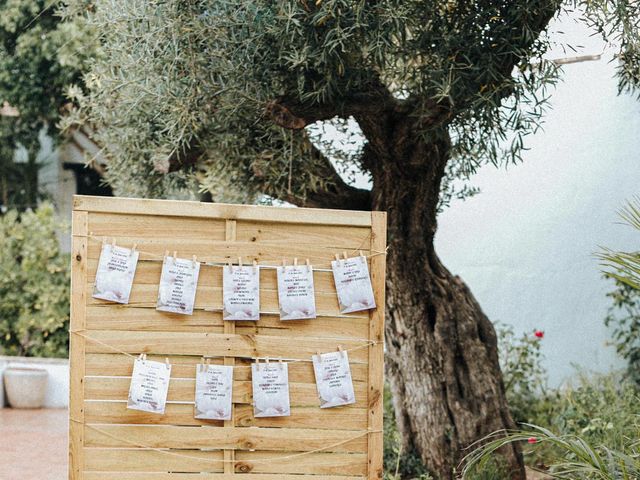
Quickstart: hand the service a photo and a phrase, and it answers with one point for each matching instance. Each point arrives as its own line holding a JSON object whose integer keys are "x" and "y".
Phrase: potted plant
{"x": 25, "y": 386}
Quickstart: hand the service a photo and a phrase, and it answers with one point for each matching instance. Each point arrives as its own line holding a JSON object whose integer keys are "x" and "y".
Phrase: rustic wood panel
{"x": 109, "y": 442}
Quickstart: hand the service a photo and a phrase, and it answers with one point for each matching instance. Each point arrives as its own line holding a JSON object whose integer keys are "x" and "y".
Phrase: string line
{"x": 151, "y": 257}
{"x": 244, "y": 357}
{"x": 257, "y": 460}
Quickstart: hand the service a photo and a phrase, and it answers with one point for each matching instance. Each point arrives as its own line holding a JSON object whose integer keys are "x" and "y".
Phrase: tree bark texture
{"x": 442, "y": 356}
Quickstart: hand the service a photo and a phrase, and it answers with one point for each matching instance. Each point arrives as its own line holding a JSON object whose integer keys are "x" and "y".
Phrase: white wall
{"x": 525, "y": 244}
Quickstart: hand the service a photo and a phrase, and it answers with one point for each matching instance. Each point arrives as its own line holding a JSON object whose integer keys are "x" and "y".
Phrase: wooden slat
{"x": 182, "y": 414}
{"x": 206, "y": 476}
{"x": 136, "y": 206}
{"x": 139, "y": 460}
{"x": 127, "y": 318}
{"x": 376, "y": 352}
{"x": 251, "y": 438}
{"x": 115, "y": 364}
{"x": 312, "y": 463}
{"x": 77, "y": 345}
{"x": 216, "y": 344}
{"x": 273, "y": 234}
{"x": 156, "y": 229}
{"x": 183, "y": 390}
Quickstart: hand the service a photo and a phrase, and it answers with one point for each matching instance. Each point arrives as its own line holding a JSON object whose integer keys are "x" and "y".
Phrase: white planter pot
{"x": 25, "y": 387}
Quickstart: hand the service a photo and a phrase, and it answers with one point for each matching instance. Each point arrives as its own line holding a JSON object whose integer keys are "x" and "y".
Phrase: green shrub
{"x": 34, "y": 285}
{"x": 624, "y": 319}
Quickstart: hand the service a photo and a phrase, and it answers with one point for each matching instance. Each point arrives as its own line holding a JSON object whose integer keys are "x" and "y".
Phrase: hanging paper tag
{"x": 178, "y": 283}
{"x": 213, "y": 392}
{"x": 149, "y": 386}
{"x": 241, "y": 292}
{"x": 116, "y": 269}
{"x": 333, "y": 379}
{"x": 296, "y": 293}
{"x": 270, "y": 390}
{"x": 353, "y": 284}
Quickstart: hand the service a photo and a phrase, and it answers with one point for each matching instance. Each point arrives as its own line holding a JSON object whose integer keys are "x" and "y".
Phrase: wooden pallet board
{"x": 107, "y": 441}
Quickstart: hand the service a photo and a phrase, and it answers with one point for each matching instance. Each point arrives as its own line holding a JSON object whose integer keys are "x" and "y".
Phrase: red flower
{"x": 532, "y": 440}
{"x": 539, "y": 333}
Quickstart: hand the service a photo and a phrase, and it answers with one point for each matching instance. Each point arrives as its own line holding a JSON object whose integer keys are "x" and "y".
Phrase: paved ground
{"x": 34, "y": 444}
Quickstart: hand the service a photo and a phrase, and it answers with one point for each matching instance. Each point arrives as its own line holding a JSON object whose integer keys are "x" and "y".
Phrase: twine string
{"x": 244, "y": 357}
{"x": 257, "y": 460}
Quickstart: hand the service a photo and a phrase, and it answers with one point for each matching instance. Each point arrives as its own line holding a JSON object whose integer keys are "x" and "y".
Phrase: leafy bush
{"x": 624, "y": 318}
{"x": 34, "y": 285}
{"x": 522, "y": 371}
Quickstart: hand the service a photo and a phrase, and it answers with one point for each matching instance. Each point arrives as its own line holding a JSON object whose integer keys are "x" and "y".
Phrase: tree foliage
{"x": 199, "y": 92}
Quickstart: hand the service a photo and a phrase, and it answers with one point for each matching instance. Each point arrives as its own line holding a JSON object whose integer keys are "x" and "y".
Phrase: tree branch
{"x": 337, "y": 193}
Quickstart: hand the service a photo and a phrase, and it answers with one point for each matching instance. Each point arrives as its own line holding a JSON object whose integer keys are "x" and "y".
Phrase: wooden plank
{"x": 115, "y": 364}
{"x": 351, "y": 419}
{"x": 205, "y": 476}
{"x": 217, "y": 344}
{"x": 139, "y": 460}
{"x": 273, "y": 234}
{"x": 155, "y": 229}
{"x": 230, "y": 329}
{"x": 182, "y": 390}
{"x": 137, "y": 206}
{"x": 376, "y": 351}
{"x": 311, "y": 463}
{"x": 127, "y": 318}
{"x": 244, "y": 438}
{"x": 77, "y": 346}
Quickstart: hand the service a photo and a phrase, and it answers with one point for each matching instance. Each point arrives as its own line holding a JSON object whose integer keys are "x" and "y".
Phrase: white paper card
{"x": 241, "y": 292}
{"x": 333, "y": 379}
{"x": 353, "y": 284}
{"x": 149, "y": 386}
{"x": 178, "y": 283}
{"x": 213, "y": 392}
{"x": 270, "y": 390}
{"x": 116, "y": 269}
{"x": 295, "y": 292}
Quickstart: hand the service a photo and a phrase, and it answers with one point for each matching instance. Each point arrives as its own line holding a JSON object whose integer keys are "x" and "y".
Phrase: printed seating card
{"x": 270, "y": 390}
{"x": 114, "y": 277}
{"x": 296, "y": 293}
{"x": 241, "y": 292}
{"x": 333, "y": 379}
{"x": 149, "y": 386}
{"x": 353, "y": 284}
{"x": 213, "y": 392}
{"x": 178, "y": 283}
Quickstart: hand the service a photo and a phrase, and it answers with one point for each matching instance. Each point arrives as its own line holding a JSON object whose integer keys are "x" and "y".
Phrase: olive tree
{"x": 230, "y": 95}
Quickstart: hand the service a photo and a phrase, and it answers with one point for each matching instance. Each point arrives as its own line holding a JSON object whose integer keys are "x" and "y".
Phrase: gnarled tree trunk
{"x": 442, "y": 357}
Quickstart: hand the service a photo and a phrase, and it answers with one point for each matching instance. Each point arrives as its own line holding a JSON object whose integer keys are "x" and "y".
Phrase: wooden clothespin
{"x": 194, "y": 261}
{"x": 175, "y": 256}
{"x": 345, "y": 254}
{"x": 113, "y": 242}
{"x": 133, "y": 249}
{"x": 308, "y": 265}
{"x": 340, "y": 350}
{"x": 281, "y": 363}
{"x": 257, "y": 364}
{"x": 295, "y": 262}
{"x": 255, "y": 264}
{"x": 230, "y": 265}
{"x": 284, "y": 262}
{"x": 240, "y": 262}
{"x": 361, "y": 254}
{"x": 166, "y": 362}
{"x": 337, "y": 258}
{"x": 166, "y": 253}
{"x": 319, "y": 356}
